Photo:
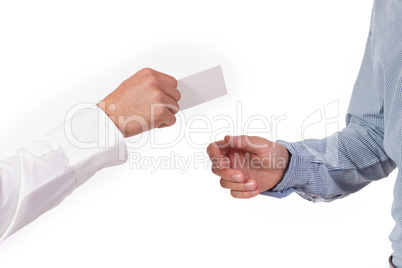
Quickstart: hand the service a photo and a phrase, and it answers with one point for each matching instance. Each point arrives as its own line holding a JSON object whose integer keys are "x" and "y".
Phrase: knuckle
{"x": 147, "y": 71}
{"x": 171, "y": 80}
{"x": 157, "y": 95}
{"x": 153, "y": 81}
{"x": 160, "y": 112}
{"x": 165, "y": 111}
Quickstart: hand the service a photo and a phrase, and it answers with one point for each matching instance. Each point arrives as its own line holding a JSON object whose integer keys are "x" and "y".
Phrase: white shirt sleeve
{"x": 48, "y": 169}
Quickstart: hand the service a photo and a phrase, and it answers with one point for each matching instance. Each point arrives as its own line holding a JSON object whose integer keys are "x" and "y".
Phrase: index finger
{"x": 173, "y": 92}
{"x": 169, "y": 85}
{"x": 167, "y": 78}
{"x": 216, "y": 151}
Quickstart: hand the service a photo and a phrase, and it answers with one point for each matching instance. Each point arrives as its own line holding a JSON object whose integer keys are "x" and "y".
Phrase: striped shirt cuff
{"x": 297, "y": 174}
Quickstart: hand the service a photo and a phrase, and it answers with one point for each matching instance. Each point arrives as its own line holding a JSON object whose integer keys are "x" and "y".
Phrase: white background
{"x": 279, "y": 58}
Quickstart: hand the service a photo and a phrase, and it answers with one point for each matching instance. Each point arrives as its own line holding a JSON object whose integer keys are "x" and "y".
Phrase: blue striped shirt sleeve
{"x": 347, "y": 161}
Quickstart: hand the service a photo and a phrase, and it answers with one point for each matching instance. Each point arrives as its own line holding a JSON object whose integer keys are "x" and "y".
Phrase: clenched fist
{"x": 146, "y": 100}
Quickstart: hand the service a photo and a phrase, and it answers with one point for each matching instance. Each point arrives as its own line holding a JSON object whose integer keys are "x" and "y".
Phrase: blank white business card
{"x": 201, "y": 87}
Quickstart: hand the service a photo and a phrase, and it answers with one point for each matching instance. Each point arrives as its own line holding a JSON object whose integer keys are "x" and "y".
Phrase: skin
{"x": 248, "y": 165}
{"x": 146, "y": 100}
{"x": 149, "y": 99}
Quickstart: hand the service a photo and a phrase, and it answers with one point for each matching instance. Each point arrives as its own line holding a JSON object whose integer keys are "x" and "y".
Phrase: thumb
{"x": 252, "y": 144}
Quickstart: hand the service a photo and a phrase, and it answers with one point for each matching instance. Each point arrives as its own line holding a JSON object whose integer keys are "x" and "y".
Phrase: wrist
{"x": 110, "y": 111}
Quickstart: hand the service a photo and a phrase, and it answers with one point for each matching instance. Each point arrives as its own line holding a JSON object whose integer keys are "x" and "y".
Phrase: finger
{"x": 170, "y": 120}
{"x": 229, "y": 174}
{"x": 171, "y": 91}
{"x": 166, "y": 83}
{"x": 166, "y": 78}
{"x": 170, "y": 103}
{"x": 249, "y": 185}
{"x": 216, "y": 150}
{"x": 250, "y": 144}
{"x": 244, "y": 194}
{"x": 164, "y": 113}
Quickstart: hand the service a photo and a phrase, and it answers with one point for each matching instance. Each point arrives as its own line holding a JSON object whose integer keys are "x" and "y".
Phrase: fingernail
{"x": 237, "y": 178}
{"x": 250, "y": 185}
